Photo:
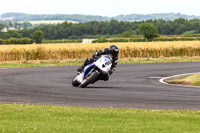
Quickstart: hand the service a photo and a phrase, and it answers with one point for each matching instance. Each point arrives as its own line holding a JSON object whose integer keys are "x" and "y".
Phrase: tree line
{"x": 95, "y": 29}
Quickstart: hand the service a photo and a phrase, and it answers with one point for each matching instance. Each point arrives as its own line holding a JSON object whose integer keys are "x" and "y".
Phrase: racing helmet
{"x": 114, "y": 50}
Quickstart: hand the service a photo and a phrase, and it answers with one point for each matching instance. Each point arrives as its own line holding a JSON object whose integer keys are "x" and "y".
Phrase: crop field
{"x": 80, "y": 51}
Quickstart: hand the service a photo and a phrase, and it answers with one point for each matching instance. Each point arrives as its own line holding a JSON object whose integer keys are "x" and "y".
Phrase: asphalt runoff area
{"x": 131, "y": 86}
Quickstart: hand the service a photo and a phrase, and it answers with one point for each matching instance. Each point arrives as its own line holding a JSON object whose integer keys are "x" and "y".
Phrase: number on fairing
{"x": 107, "y": 62}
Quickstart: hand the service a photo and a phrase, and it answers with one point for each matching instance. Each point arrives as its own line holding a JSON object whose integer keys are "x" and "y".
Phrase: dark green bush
{"x": 118, "y": 40}
{"x": 26, "y": 41}
{"x": 63, "y": 41}
{"x": 100, "y": 40}
{"x": 13, "y": 41}
{"x": 1, "y": 41}
{"x": 16, "y": 41}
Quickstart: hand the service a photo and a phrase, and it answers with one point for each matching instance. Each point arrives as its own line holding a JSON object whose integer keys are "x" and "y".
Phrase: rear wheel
{"x": 88, "y": 79}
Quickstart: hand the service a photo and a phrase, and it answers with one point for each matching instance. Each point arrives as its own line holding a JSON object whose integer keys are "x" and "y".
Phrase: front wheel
{"x": 88, "y": 79}
{"x": 75, "y": 83}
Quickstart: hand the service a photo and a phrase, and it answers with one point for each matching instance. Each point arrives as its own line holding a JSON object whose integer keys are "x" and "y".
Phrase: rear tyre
{"x": 88, "y": 79}
{"x": 75, "y": 83}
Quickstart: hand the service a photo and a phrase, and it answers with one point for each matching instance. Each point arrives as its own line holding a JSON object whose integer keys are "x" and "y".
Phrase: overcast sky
{"x": 101, "y": 7}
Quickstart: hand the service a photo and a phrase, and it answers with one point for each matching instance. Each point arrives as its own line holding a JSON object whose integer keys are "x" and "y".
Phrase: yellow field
{"x": 80, "y": 51}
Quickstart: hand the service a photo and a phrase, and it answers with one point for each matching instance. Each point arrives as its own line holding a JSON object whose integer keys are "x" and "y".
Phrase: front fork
{"x": 99, "y": 73}
{"x": 92, "y": 70}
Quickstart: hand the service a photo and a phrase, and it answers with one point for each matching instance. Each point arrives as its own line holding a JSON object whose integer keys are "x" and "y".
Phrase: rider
{"x": 113, "y": 51}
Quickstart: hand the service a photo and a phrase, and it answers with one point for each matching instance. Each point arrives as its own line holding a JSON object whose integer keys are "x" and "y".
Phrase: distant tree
{"x": 1, "y": 33}
{"x": 114, "y": 24}
{"x": 38, "y": 36}
{"x": 149, "y": 31}
{"x": 128, "y": 34}
{"x": 10, "y": 24}
{"x": 1, "y": 26}
{"x": 12, "y": 34}
{"x": 26, "y": 25}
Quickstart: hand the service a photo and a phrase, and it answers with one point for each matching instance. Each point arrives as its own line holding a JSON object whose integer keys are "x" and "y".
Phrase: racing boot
{"x": 80, "y": 69}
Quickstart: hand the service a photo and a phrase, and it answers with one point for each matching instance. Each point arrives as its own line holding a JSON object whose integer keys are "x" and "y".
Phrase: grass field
{"x": 193, "y": 80}
{"x": 62, "y": 119}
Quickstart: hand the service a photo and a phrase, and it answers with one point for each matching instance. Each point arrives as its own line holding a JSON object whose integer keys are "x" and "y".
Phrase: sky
{"x": 101, "y": 7}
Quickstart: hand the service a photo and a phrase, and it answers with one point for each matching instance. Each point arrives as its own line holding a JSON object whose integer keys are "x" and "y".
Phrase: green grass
{"x": 157, "y": 61}
{"x": 193, "y": 80}
{"x": 80, "y": 61}
{"x": 10, "y": 65}
{"x": 62, "y": 119}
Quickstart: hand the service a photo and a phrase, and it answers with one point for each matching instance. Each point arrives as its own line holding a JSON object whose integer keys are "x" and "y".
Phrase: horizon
{"x": 98, "y": 15}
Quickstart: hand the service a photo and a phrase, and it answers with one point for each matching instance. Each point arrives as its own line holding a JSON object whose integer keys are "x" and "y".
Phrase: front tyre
{"x": 89, "y": 79}
{"x": 75, "y": 83}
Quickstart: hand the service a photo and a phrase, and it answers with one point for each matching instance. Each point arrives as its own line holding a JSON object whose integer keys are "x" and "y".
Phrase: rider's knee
{"x": 88, "y": 61}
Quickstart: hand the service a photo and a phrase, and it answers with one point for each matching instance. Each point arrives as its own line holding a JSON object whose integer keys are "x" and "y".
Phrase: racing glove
{"x": 111, "y": 71}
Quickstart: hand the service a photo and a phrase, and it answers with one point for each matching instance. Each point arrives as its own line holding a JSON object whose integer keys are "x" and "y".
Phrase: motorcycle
{"x": 93, "y": 72}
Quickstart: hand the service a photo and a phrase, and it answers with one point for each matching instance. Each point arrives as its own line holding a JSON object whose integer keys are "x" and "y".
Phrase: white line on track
{"x": 162, "y": 80}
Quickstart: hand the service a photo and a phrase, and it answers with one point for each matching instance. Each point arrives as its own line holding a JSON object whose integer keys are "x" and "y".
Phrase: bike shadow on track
{"x": 100, "y": 87}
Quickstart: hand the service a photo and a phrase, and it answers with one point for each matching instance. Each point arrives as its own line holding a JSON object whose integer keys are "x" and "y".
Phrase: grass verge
{"x": 193, "y": 80}
{"x": 41, "y": 63}
{"x": 62, "y": 119}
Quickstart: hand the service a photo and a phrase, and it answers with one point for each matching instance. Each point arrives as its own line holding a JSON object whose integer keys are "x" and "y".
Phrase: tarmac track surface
{"x": 131, "y": 86}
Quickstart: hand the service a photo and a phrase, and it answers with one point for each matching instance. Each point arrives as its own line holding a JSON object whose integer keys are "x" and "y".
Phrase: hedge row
{"x": 16, "y": 41}
{"x": 63, "y": 41}
{"x": 177, "y": 39}
{"x": 30, "y": 41}
{"x": 104, "y": 40}
{"x": 99, "y": 40}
